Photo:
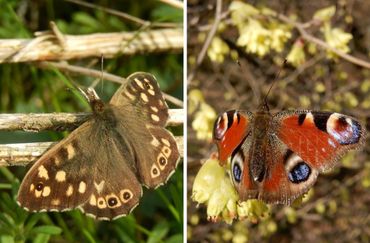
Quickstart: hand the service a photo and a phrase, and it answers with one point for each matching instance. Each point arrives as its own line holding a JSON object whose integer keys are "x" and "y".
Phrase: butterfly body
{"x": 101, "y": 166}
{"x": 278, "y": 157}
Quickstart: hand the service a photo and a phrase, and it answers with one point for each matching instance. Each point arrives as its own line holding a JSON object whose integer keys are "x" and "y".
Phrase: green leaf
{"x": 175, "y": 239}
{"x": 47, "y": 229}
{"x": 158, "y": 232}
{"x": 7, "y": 239}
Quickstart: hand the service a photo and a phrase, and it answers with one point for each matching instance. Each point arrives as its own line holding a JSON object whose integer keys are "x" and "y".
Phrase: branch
{"x": 53, "y": 45}
{"x": 99, "y": 74}
{"x": 25, "y": 153}
{"x": 208, "y": 40}
{"x": 305, "y": 35}
{"x": 61, "y": 121}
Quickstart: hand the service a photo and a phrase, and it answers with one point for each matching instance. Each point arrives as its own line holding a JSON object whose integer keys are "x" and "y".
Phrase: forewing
{"x": 60, "y": 179}
{"x": 142, "y": 114}
{"x": 302, "y": 144}
{"x": 319, "y": 138}
{"x": 230, "y": 129}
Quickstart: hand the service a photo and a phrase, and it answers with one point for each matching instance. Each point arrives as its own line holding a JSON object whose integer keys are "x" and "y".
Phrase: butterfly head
{"x": 97, "y": 105}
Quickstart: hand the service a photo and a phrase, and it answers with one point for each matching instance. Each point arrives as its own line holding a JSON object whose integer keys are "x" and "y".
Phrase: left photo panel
{"x": 91, "y": 121}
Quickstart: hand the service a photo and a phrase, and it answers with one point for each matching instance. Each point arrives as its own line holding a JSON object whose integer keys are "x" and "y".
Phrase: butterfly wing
{"x": 302, "y": 144}
{"x": 320, "y": 138}
{"x": 229, "y": 130}
{"x": 232, "y": 134}
{"x": 143, "y": 113}
{"x": 58, "y": 180}
{"x": 116, "y": 190}
{"x": 85, "y": 166}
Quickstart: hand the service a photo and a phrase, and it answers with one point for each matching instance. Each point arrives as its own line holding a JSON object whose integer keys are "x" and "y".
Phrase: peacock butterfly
{"x": 276, "y": 158}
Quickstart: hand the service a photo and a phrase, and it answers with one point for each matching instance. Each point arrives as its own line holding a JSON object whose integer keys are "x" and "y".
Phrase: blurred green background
{"x": 25, "y": 88}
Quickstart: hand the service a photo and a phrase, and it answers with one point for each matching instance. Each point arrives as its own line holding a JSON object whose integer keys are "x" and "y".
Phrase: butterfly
{"x": 101, "y": 166}
{"x": 276, "y": 158}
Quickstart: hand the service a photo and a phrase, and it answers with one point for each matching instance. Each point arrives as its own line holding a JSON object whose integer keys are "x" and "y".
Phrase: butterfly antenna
{"x": 272, "y": 85}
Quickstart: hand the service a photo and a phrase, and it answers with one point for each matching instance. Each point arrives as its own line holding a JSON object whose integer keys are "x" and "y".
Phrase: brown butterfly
{"x": 101, "y": 166}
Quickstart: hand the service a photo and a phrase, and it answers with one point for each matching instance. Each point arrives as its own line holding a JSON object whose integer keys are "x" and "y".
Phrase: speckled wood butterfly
{"x": 101, "y": 166}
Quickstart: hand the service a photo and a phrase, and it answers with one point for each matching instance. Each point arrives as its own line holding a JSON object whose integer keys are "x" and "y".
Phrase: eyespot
{"x": 112, "y": 201}
{"x": 299, "y": 173}
{"x": 237, "y": 167}
{"x": 345, "y": 130}
{"x": 147, "y": 86}
{"x": 39, "y": 187}
{"x": 125, "y": 195}
{"x": 237, "y": 172}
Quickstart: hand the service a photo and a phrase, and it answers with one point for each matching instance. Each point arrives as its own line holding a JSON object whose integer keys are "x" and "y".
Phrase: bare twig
{"x": 122, "y": 15}
{"x": 305, "y": 35}
{"x": 25, "y": 153}
{"x": 46, "y": 45}
{"x": 61, "y": 121}
{"x": 98, "y": 74}
{"x": 207, "y": 42}
{"x": 174, "y": 3}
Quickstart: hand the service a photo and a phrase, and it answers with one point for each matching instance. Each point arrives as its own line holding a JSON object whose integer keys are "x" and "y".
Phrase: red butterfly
{"x": 276, "y": 158}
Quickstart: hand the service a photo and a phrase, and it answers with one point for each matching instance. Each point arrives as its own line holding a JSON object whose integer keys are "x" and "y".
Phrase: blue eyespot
{"x": 237, "y": 172}
{"x": 299, "y": 173}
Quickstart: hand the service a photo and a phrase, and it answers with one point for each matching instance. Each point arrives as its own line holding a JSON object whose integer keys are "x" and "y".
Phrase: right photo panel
{"x": 278, "y": 118}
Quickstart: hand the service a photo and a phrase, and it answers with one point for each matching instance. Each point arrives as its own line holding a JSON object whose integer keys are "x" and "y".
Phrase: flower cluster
{"x": 204, "y": 115}
{"x": 213, "y": 187}
{"x": 258, "y": 36}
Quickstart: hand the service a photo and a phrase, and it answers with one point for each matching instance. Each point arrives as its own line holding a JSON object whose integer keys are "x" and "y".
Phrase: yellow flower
{"x": 213, "y": 186}
{"x": 296, "y": 56}
{"x": 337, "y": 38}
{"x": 204, "y": 115}
{"x": 241, "y": 12}
{"x": 217, "y": 50}
{"x": 279, "y": 37}
{"x": 255, "y": 38}
{"x": 207, "y": 181}
{"x": 325, "y": 14}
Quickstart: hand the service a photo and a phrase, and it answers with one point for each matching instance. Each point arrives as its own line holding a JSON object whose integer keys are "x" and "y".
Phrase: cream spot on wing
{"x": 60, "y": 176}
{"x": 99, "y": 187}
{"x": 151, "y": 92}
{"x": 309, "y": 118}
{"x": 160, "y": 103}
{"x": 129, "y": 95}
{"x": 125, "y": 195}
{"x": 92, "y": 200}
{"x": 69, "y": 190}
{"x": 155, "y": 109}
{"x": 43, "y": 173}
{"x": 166, "y": 151}
{"x": 46, "y": 191}
{"x": 38, "y": 193}
{"x": 144, "y": 97}
{"x": 155, "y": 142}
{"x": 82, "y": 187}
{"x": 55, "y": 202}
{"x": 154, "y": 171}
{"x": 70, "y": 151}
{"x": 154, "y": 117}
{"x": 32, "y": 187}
{"x": 165, "y": 141}
{"x": 139, "y": 83}
{"x": 101, "y": 203}
{"x": 56, "y": 161}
